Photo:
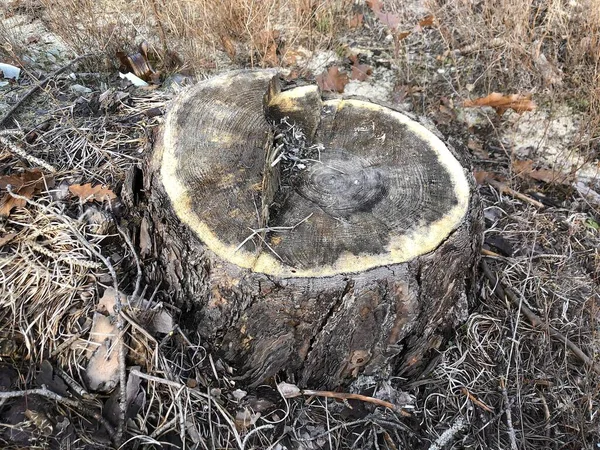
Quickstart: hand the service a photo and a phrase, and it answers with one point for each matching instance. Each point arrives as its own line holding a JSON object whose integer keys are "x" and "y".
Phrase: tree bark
{"x": 319, "y": 239}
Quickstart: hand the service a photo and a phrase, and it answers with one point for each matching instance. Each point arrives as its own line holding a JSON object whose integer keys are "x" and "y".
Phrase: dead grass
{"x": 50, "y": 282}
{"x": 550, "y": 48}
{"x": 198, "y": 35}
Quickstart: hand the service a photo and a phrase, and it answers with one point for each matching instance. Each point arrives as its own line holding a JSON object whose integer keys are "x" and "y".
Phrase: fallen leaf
{"x": 332, "y": 80}
{"x": 427, "y": 21}
{"x": 403, "y": 35}
{"x": 5, "y": 239}
{"x": 481, "y": 176}
{"x": 360, "y": 72}
{"x": 26, "y": 184}
{"x": 138, "y": 63}
{"x": 228, "y": 46}
{"x": 355, "y": 21}
{"x": 524, "y": 169}
{"x": 389, "y": 19}
{"x": 517, "y": 102}
{"x": 87, "y": 193}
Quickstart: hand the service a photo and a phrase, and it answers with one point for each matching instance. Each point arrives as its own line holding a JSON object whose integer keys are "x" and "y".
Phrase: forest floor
{"x": 522, "y": 373}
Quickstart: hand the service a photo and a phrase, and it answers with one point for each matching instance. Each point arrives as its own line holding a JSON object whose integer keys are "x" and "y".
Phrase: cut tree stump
{"x": 317, "y": 239}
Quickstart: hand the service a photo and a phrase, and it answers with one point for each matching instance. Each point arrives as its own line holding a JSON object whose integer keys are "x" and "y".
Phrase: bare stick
{"x": 288, "y": 390}
{"x": 40, "y": 85}
{"x": 138, "y": 280}
{"x": 503, "y": 292}
{"x": 511, "y": 431}
{"x": 504, "y": 188}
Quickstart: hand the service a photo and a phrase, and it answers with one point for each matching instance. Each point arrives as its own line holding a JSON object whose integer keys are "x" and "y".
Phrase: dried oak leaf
{"x": 355, "y": 21}
{"x": 26, "y": 184}
{"x": 89, "y": 193}
{"x": 332, "y": 80}
{"x": 138, "y": 63}
{"x": 360, "y": 72}
{"x": 427, "y": 21}
{"x": 517, "y": 102}
{"x": 524, "y": 169}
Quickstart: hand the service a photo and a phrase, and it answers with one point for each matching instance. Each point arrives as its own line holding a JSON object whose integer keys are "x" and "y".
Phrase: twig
{"x": 138, "y": 280}
{"x": 475, "y": 400}
{"x": 507, "y": 411}
{"x": 288, "y": 390}
{"x": 504, "y": 188}
{"x": 503, "y": 292}
{"x": 40, "y": 85}
{"x": 23, "y": 154}
{"x": 45, "y": 392}
{"x": 78, "y": 388}
{"x": 447, "y": 436}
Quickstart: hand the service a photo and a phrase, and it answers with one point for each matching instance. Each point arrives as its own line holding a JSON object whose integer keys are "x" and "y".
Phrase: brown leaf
{"x": 26, "y": 184}
{"x": 138, "y": 63}
{"x": 389, "y": 19}
{"x": 481, "y": 176}
{"x": 517, "y": 102}
{"x": 228, "y": 46}
{"x": 332, "y": 80}
{"x": 5, "y": 239}
{"x": 427, "y": 21}
{"x": 403, "y": 35}
{"x": 355, "y": 21}
{"x": 270, "y": 58}
{"x": 360, "y": 72}
{"x": 87, "y": 193}
{"x": 524, "y": 169}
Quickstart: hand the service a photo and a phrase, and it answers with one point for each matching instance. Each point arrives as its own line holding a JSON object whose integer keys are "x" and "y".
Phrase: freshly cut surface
{"x": 382, "y": 189}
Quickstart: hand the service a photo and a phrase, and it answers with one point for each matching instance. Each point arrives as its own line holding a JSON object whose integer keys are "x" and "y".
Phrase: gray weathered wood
{"x": 372, "y": 282}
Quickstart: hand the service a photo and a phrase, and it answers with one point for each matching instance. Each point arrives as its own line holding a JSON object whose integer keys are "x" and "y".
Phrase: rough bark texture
{"x": 323, "y": 330}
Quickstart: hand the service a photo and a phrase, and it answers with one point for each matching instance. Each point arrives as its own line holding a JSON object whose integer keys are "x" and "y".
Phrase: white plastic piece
{"x": 10, "y": 71}
{"x": 135, "y": 80}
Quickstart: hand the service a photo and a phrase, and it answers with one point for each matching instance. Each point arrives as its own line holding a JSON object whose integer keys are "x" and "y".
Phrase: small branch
{"x": 475, "y": 400}
{"x": 447, "y": 436}
{"x": 288, "y": 390}
{"x": 504, "y": 188}
{"x": 502, "y": 292}
{"x": 39, "y": 86}
{"x": 511, "y": 431}
{"x": 22, "y": 153}
{"x": 138, "y": 280}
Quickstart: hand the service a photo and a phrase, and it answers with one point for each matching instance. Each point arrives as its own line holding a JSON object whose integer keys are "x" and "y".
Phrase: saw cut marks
{"x": 383, "y": 189}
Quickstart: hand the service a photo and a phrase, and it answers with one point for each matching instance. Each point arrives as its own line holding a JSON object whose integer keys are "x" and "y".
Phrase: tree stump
{"x": 319, "y": 239}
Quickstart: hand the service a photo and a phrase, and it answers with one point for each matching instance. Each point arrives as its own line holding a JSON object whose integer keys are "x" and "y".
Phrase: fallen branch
{"x": 504, "y": 292}
{"x": 507, "y": 190}
{"x": 39, "y": 86}
{"x": 507, "y": 412}
{"x": 288, "y": 390}
{"x": 475, "y": 400}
